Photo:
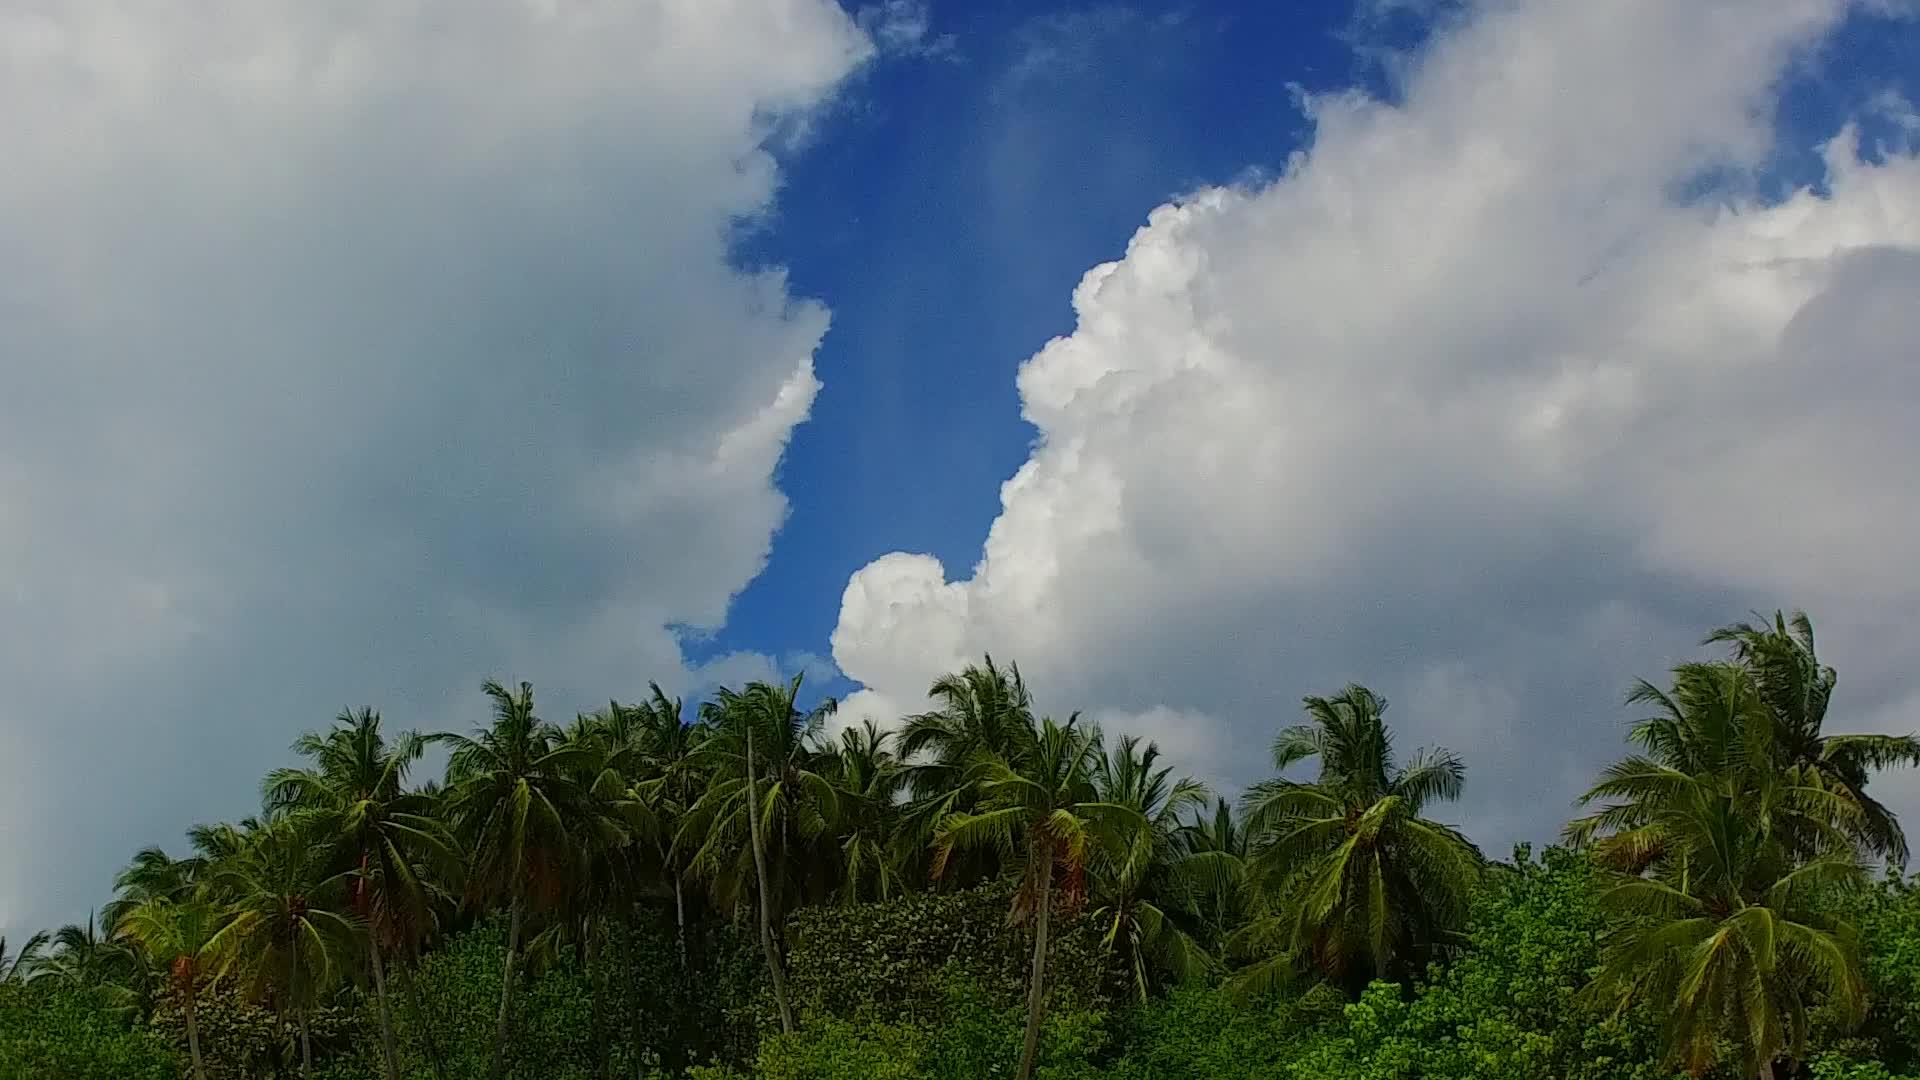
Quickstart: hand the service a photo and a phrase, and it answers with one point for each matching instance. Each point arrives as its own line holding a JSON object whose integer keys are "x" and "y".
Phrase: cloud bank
{"x": 1476, "y": 404}
{"x": 354, "y": 352}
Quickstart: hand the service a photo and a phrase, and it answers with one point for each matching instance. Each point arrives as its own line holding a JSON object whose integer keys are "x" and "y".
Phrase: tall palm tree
{"x": 1131, "y": 883}
{"x": 1726, "y": 933}
{"x": 515, "y": 803}
{"x": 1210, "y": 872}
{"x": 1797, "y": 689}
{"x": 606, "y": 867}
{"x": 1354, "y": 882}
{"x": 382, "y": 833}
{"x": 1713, "y": 728}
{"x": 1043, "y": 810}
{"x": 768, "y": 806}
{"x": 291, "y": 931}
{"x": 19, "y": 966}
{"x": 151, "y": 875}
{"x": 870, "y": 782}
{"x": 82, "y": 956}
{"x": 177, "y": 935}
{"x": 983, "y": 709}
{"x": 667, "y": 784}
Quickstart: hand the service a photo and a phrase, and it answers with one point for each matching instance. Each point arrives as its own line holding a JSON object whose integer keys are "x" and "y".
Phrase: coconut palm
{"x": 1797, "y": 689}
{"x": 1726, "y": 934}
{"x": 667, "y": 785}
{"x": 870, "y": 782}
{"x": 1040, "y": 809}
{"x": 83, "y": 956}
{"x": 765, "y": 813}
{"x": 1712, "y": 730}
{"x": 382, "y": 834}
{"x": 291, "y": 934}
{"x": 1208, "y": 877}
{"x": 1353, "y": 882}
{"x": 151, "y": 875}
{"x": 1131, "y": 883}
{"x": 19, "y": 966}
{"x": 984, "y": 708}
{"x": 177, "y": 936}
{"x": 512, "y": 796}
{"x": 606, "y": 869}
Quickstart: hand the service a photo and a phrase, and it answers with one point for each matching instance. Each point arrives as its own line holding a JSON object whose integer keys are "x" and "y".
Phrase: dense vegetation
{"x": 728, "y": 892}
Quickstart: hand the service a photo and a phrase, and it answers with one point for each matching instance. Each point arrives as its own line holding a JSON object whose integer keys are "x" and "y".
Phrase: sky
{"x": 1195, "y": 356}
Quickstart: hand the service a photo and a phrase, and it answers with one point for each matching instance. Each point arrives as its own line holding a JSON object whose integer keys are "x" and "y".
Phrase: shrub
{"x": 894, "y": 960}
{"x": 54, "y": 1033}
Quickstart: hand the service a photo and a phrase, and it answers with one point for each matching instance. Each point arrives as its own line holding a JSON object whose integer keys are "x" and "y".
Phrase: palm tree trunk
{"x": 766, "y": 916}
{"x": 1037, "y": 978}
{"x": 193, "y": 1037}
{"x": 499, "y": 1069}
{"x": 596, "y": 990}
{"x": 426, "y": 1023}
{"x": 299, "y": 1012}
{"x": 680, "y": 918}
{"x": 380, "y": 997}
{"x": 306, "y": 1046}
{"x": 1766, "y": 1069}
{"x": 635, "y": 1043}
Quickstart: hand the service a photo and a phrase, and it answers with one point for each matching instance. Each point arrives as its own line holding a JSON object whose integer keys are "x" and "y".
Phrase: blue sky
{"x": 947, "y": 207}
{"x": 351, "y": 361}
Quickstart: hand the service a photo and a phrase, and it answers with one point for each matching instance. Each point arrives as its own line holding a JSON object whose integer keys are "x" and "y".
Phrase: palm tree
{"x": 607, "y": 868}
{"x": 513, "y": 799}
{"x": 1797, "y": 689}
{"x": 21, "y": 965}
{"x": 83, "y": 957}
{"x": 672, "y": 783}
{"x": 1726, "y": 934}
{"x": 1712, "y": 729}
{"x": 291, "y": 927}
{"x": 151, "y": 875}
{"x": 983, "y": 709}
{"x": 760, "y": 735}
{"x": 1042, "y": 809}
{"x": 1209, "y": 872}
{"x": 870, "y": 782}
{"x": 356, "y": 790}
{"x": 1130, "y": 884}
{"x": 177, "y": 935}
{"x": 1354, "y": 883}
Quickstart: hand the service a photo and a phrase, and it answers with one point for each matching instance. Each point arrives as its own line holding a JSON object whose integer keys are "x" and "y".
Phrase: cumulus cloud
{"x": 1471, "y": 405}
{"x": 354, "y": 352}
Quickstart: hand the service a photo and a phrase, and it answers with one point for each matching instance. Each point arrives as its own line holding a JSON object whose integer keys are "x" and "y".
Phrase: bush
{"x": 894, "y": 960}
{"x": 653, "y": 1015}
{"x": 976, "y": 1039}
{"x": 52, "y": 1033}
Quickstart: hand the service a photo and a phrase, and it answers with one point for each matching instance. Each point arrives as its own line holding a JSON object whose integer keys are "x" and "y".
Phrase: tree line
{"x": 1720, "y": 854}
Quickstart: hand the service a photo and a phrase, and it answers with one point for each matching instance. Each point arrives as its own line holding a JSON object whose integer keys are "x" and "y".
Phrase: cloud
{"x": 1469, "y": 406}
{"x": 354, "y": 352}
{"x": 903, "y": 28}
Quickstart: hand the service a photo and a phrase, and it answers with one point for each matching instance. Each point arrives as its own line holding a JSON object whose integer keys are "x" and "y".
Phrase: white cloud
{"x": 1465, "y": 406}
{"x": 354, "y": 352}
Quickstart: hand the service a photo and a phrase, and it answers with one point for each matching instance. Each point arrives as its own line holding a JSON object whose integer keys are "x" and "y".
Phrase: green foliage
{"x": 1838, "y": 1067}
{"x": 894, "y": 959}
{"x": 240, "y": 1038}
{"x": 973, "y": 1039}
{"x": 652, "y": 1014}
{"x": 1889, "y": 922}
{"x": 58, "y": 1033}
{"x": 1508, "y": 1006}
